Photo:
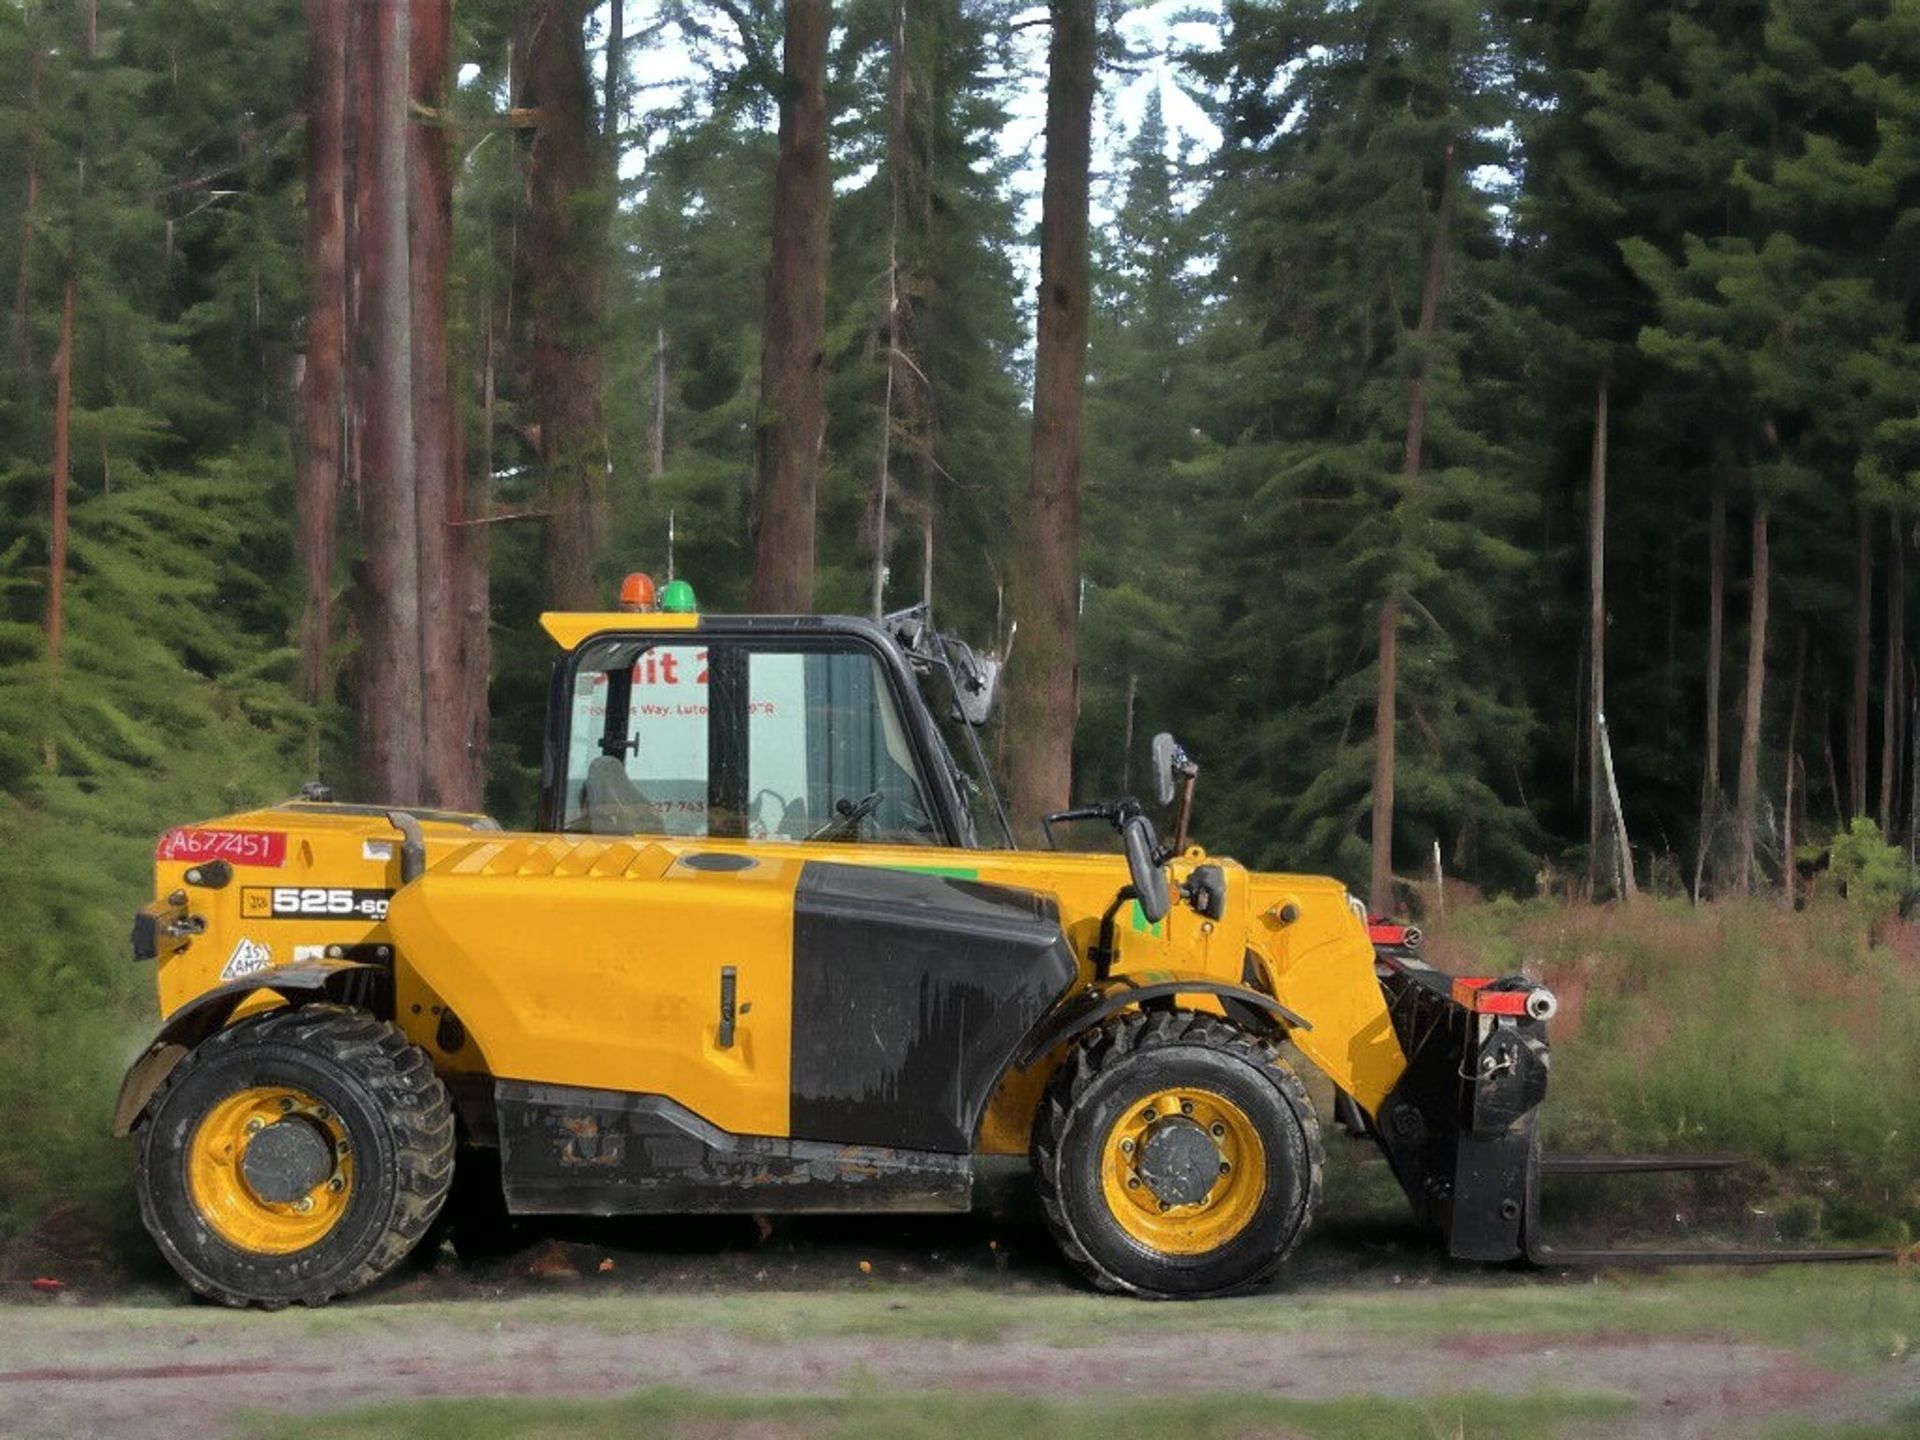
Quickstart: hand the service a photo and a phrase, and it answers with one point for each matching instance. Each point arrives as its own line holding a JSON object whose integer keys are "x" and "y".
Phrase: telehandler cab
{"x": 771, "y": 947}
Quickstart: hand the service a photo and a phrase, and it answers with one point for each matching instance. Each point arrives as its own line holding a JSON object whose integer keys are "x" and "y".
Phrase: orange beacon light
{"x": 636, "y": 592}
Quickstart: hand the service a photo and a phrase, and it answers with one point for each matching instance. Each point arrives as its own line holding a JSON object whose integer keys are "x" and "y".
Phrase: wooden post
{"x": 1628, "y": 890}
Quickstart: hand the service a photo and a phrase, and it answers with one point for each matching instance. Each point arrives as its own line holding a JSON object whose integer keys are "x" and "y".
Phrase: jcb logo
{"x": 293, "y": 902}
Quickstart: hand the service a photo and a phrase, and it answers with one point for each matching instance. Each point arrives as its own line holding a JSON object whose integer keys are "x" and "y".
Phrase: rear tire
{"x": 356, "y": 1096}
{"x": 1176, "y": 1156}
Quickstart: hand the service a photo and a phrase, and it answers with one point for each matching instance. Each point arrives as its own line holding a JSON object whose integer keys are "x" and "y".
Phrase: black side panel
{"x": 567, "y": 1151}
{"x": 911, "y": 995}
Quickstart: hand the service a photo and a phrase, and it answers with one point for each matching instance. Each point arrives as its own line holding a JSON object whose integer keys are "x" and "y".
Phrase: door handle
{"x": 729, "y": 982}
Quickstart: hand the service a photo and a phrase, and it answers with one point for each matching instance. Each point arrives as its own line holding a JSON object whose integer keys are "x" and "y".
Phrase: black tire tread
{"x": 401, "y": 1077}
{"x": 1119, "y": 1040}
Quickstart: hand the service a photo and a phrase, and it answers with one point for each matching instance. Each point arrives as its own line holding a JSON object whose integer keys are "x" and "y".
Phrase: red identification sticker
{"x": 239, "y": 847}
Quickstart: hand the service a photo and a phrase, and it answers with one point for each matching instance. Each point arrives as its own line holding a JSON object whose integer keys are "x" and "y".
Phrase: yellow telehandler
{"x": 771, "y": 948}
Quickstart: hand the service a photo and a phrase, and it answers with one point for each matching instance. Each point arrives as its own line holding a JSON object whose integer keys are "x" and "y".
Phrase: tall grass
{"x": 1792, "y": 1037}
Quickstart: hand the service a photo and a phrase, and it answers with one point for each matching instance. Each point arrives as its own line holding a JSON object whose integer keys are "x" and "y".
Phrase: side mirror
{"x": 1168, "y": 759}
{"x": 976, "y": 679}
{"x": 1143, "y": 868}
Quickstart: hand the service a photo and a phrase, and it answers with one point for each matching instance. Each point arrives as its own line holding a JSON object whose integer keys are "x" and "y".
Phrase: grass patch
{"x": 1847, "y": 1318}
{"x": 679, "y": 1413}
{"x": 1735, "y": 1026}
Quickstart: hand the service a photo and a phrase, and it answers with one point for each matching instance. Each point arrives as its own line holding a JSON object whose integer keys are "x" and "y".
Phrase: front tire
{"x": 295, "y": 1156}
{"x": 1176, "y": 1157}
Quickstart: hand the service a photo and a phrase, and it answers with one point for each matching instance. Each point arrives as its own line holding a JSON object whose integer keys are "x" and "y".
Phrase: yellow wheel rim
{"x": 228, "y": 1197}
{"x": 1154, "y": 1209}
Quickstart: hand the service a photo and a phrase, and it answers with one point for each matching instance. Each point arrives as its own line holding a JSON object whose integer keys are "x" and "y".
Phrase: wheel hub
{"x": 1183, "y": 1170}
{"x": 269, "y": 1169}
{"x": 1179, "y": 1162}
{"x": 286, "y": 1160}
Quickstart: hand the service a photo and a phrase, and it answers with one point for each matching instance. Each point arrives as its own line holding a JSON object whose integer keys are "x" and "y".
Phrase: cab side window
{"x": 828, "y": 755}
{"x": 637, "y": 762}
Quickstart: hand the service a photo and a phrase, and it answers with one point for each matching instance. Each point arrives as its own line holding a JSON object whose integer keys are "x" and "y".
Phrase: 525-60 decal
{"x": 310, "y": 902}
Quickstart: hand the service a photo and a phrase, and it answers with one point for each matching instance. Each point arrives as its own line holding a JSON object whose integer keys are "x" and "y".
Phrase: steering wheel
{"x": 847, "y": 820}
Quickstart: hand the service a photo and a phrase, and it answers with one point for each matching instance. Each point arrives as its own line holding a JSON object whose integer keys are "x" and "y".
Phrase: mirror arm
{"x": 1079, "y": 812}
{"x": 1185, "y": 813}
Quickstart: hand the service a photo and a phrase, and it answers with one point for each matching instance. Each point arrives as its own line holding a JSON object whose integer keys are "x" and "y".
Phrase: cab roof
{"x": 572, "y": 628}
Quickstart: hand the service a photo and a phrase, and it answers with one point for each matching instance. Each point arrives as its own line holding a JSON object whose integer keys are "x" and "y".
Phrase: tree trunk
{"x": 1413, "y": 459}
{"x": 896, "y": 155}
{"x": 1043, "y": 701}
{"x": 566, "y": 279}
{"x": 1892, "y": 706}
{"x": 1862, "y": 666}
{"x": 1716, "y": 634}
{"x": 1597, "y": 629}
{"x": 1789, "y": 870}
{"x": 454, "y": 778}
{"x": 29, "y": 211}
{"x": 316, "y": 502}
{"x": 616, "y": 60}
{"x": 792, "y": 421}
{"x": 1385, "y": 722}
{"x": 391, "y": 724}
{"x": 358, "y": 190}
{"x": 62, "y": 474}
{"x": 657, "y": 440}
{"x": 1747, "y": 794}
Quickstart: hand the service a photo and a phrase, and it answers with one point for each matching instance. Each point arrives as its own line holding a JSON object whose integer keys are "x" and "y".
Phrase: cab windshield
{"x": 764, "y": 742}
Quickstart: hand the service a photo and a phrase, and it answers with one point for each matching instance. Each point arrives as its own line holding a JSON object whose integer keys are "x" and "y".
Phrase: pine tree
{"x": 1368, "y": 439}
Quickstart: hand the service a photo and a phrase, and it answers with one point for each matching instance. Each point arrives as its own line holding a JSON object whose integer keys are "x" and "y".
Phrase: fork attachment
{"x": 1459, "y": 1129}
{"x": 1539, "y": 1252}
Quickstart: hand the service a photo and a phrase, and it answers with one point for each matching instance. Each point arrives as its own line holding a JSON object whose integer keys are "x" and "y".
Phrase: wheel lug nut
{"x": 1217, "y": 1130}
{"x": 1133, "y": 1182}
{"x": 1186, "y": 1107}
{"x": 336, "y": 1184}
{"x": 304, "y": 1204}
{"x": 1126, "y": 1147}
{"x": 1150, "y": 1116}
{"x": 285, "y": 1105}
{"x": 256, "y": 1125}
{"x": 1226, "y": 1167}
{"x": 1164, "y": 1207}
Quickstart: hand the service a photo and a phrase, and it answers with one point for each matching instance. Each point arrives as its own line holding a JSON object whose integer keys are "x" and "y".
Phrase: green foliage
{"x": 169, "y": 191}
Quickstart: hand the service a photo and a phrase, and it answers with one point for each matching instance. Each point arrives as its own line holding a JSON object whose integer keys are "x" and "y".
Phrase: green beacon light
{"x": 676, "y": 598}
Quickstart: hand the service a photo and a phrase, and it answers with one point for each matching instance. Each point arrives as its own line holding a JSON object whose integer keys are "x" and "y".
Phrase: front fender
{"x": 1108, "y": 997}
{"x": 338, "y": 982}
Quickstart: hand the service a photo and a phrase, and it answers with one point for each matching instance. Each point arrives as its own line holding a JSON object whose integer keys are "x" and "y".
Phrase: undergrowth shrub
{"x": 1872, "y": 873}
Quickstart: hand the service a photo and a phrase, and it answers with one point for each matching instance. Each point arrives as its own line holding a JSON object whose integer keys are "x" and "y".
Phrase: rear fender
{"x": 339, "y": 982}
{"x": 1106, "y": 998}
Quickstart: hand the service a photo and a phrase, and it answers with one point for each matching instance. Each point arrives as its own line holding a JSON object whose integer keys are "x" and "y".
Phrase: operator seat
{"x": 614, "y": 804}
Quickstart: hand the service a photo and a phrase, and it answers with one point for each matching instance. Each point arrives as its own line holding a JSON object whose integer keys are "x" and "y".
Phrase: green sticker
{"x": 1157, "y": 929}
{"x": 950, "y": 872}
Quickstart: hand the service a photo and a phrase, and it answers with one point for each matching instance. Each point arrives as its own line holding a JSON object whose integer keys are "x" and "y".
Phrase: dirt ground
{"x": 977, "y": 1306}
